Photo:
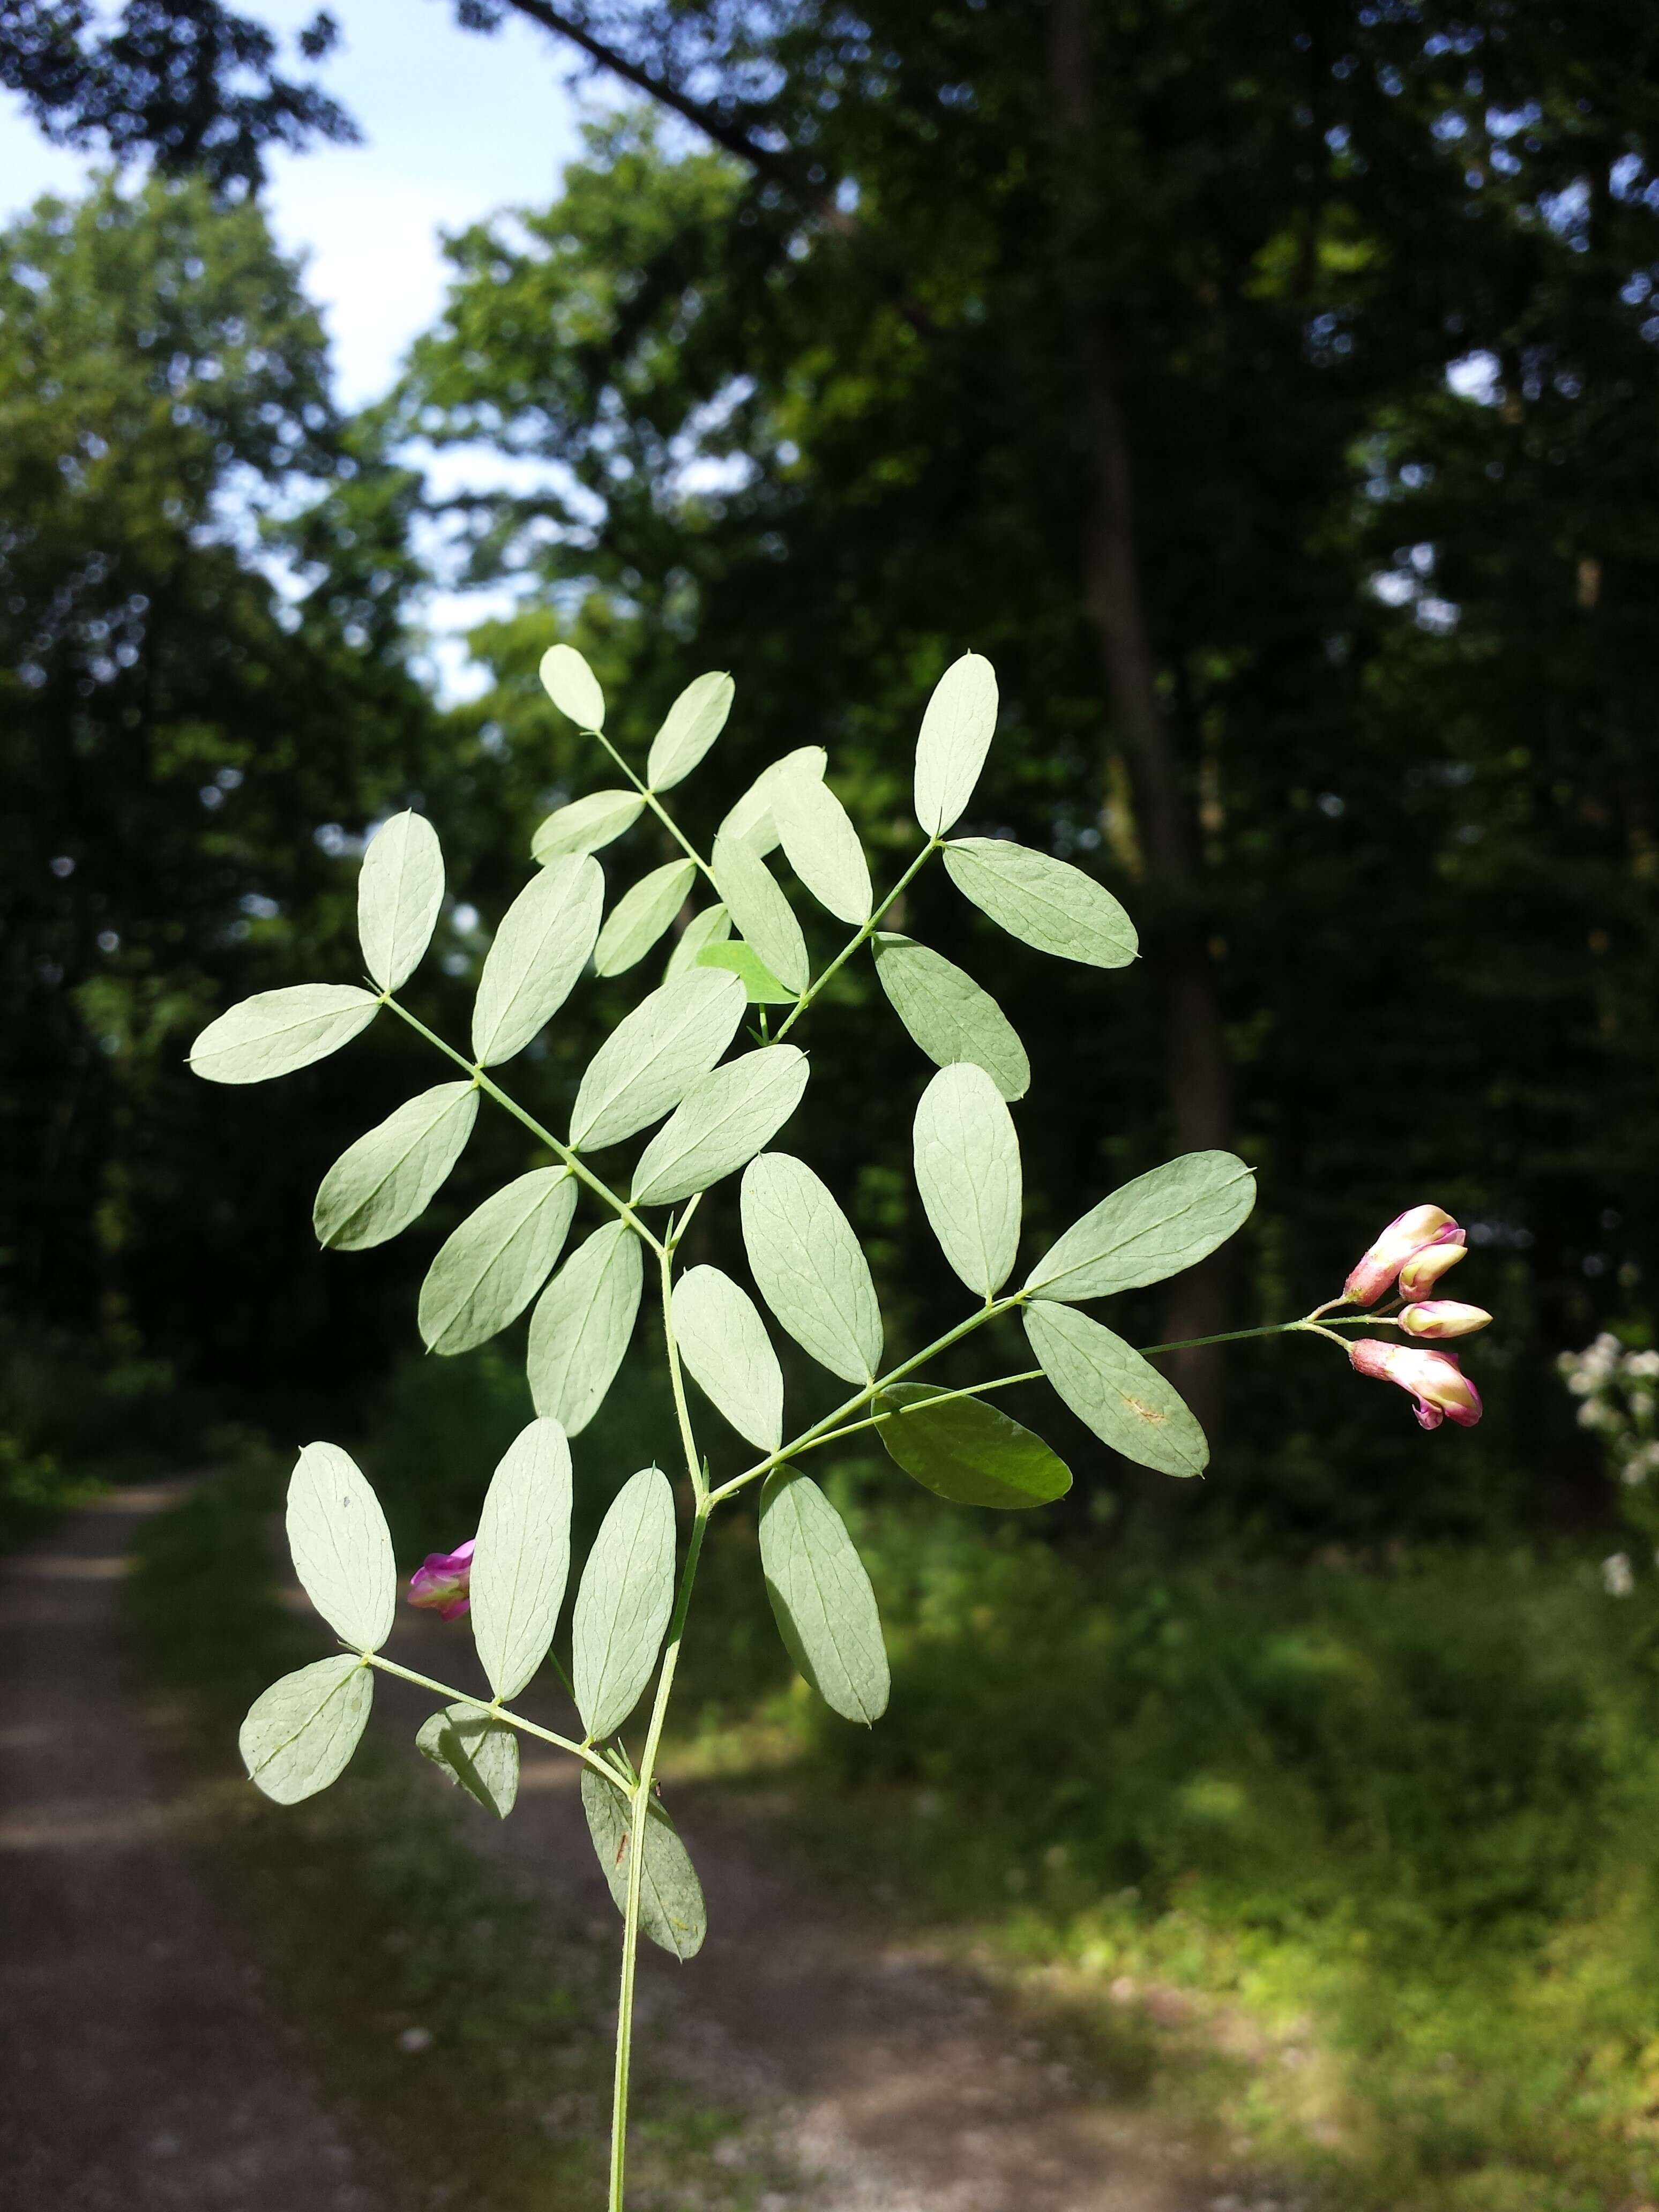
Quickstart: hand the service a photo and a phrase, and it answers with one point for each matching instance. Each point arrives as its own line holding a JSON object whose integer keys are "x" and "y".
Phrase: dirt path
{"x": 141, "y": 2068}
{"x": 887, "y": 2081}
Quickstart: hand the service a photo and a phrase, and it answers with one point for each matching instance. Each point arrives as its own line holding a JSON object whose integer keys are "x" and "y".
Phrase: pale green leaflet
{"x": 722, "y": 1122}
{"x": 821, "y": 845}
{"x": 587, "y": 825}
{"x": 479, "y": 1754}
{"x": 341, "y": 1547}
{"x": 1122, "y": 1396}
{"x": 572, "y": 686}
{"x": 522, "y": 1557}
{"x": 1043, "y": 902}
{"x": 672, "y": 1913}
{"x": 581, "y": 1327}
{"x": 622, "y": 1605}
{"x": 300, "y": 1733}
{"x": 810, "y": 1268}
{"x": 723, "y": 1344}
{"x": 540, "y": 949}
{"x": 751, "y": 817}
{"x": 276, "y": 1032}
{"x": 386, "y": 1180}
{"x": 760, "y": 985}
{"x": 399, "y": 892}
{"x": 689, "y": 727}
{"x": 948, "y": 1014}
{"x": 956, "y": 735}
{"x": 968, "y": 1173}
{"x": 821, "y": 1597}
{"x": 1155, "y": 1226}
{"x": 760, "y": 911}
{"x": 492, "y": 1266}
{"x": 650, "y": 1061}
{"x": 641, "y": 915}
{"x": 712, "y": 926}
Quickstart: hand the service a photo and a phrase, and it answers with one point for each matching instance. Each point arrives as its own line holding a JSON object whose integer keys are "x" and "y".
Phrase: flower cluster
{"x": 1620, "y": 1394}
{"x": 1409, "y": 1258}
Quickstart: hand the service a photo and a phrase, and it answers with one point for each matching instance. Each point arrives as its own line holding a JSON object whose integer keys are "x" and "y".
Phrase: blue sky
{"x": 454, "y": 125}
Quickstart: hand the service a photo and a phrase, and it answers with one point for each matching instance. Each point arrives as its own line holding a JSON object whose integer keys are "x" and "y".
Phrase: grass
{"x": 1371, "y": 1857}
{"x": 470, "y": 2049}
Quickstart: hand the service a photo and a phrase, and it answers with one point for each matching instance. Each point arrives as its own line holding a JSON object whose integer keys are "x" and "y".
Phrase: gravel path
{"x": 142, "y": 2072}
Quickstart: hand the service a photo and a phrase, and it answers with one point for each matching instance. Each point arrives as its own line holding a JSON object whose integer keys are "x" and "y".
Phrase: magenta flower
{"x": 442, "y": 1581}
{"x": 1440, "y": 1389}
{"x": 1406, "y": 1234}
{"x": 1427, "y": 1265}
{"x": 1442, "y": 1317}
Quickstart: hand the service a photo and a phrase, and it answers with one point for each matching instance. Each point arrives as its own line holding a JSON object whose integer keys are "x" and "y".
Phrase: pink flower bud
{"x": 1407, "y": 1233}
{"x": 1442, "y": 1317}
{"x": 1424, "y": 1268}
{"x": 1440, "y": 1388}
{"x": 442, "y": 1581}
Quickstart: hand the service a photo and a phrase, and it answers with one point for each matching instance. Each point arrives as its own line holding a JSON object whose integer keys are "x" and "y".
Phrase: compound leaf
{"x": 387, "y": 1179}
{"x": 488, "y": 1269}
{"x": 672, "y": 1909}
{"x": 1042, "y": 901}
{"x": 966, "y": 1451}
{"x": 723, "y": 1121}
{"x": 652, "y": 1058}
{"x": 968, "y": 1171}
{"x": 1117, "y": 1394}
{"x": 586, "y": 824}
{"x": 641, "y": 915}
{"x": 400, "y": 888}
{"x": 622, "y": 1605}
{"x": 572, "y": 686}
{"x": 723, "y": 1341}
{"x": 760, "y": 910}
{"x": 540, "y": 949}
{"x": 479, "y": 1754}
{"x": 341, "y": 1547}
{"x": 821, "y": 1597}
{"x": 809, "y": 1266}
{"x": 300, "y": 1734}
{"x": 821, "y": 846}
{"x": 1153, "y": 1227}
{"x": 956, "y": 730}
{"x": 581, "y": 1325}
{"x": 689, "y": 727}
{"x": 275, "y": 1032}
{"x": 948, "y": 1015}
{"x": 522, "y": 1557}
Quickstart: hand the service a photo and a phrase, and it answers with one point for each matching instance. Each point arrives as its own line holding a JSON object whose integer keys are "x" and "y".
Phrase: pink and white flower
{"x": 443, "y": 1581}
{"x": 1425, "y": 1266}
{"x": 1439, "y": 1387}
{"x": 1407, "y": 1234}
{"x": 1442, "y": 1317}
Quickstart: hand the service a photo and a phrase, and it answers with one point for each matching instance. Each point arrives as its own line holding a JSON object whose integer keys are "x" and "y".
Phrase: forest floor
{"x": 813, "y": 2059}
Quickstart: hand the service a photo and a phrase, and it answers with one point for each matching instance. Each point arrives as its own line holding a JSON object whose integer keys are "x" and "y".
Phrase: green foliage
{"x": 622, "y": 1605}
{"x": 968, "y": 1451}
{"x": 522, "y": 1560}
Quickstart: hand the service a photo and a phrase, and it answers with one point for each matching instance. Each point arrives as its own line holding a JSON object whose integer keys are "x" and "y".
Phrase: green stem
{"x": 639, "y": 1816}
{"x": 867, "y": 931}
{"x": 578, "y": 1167}
{"x": 500, "y": 1712}
{"x": 656, "y": 805}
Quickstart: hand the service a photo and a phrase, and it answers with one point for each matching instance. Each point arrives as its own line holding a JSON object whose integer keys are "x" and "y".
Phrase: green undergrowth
{"x": 1384, "y": 1842}
{"x": 471, "y": 2049}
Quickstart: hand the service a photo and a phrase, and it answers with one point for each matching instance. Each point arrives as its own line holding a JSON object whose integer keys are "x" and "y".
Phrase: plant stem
{"x": 500, "y": 1712}
{"x": 866, "y": 930}
{"x": 655, "y": 805}
{"x": 578, "y": 1167}
{"x": 639, "y": 1818}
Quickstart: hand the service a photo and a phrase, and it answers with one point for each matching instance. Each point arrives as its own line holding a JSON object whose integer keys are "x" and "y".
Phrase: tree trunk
{"x": 1197, "y": 1067}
